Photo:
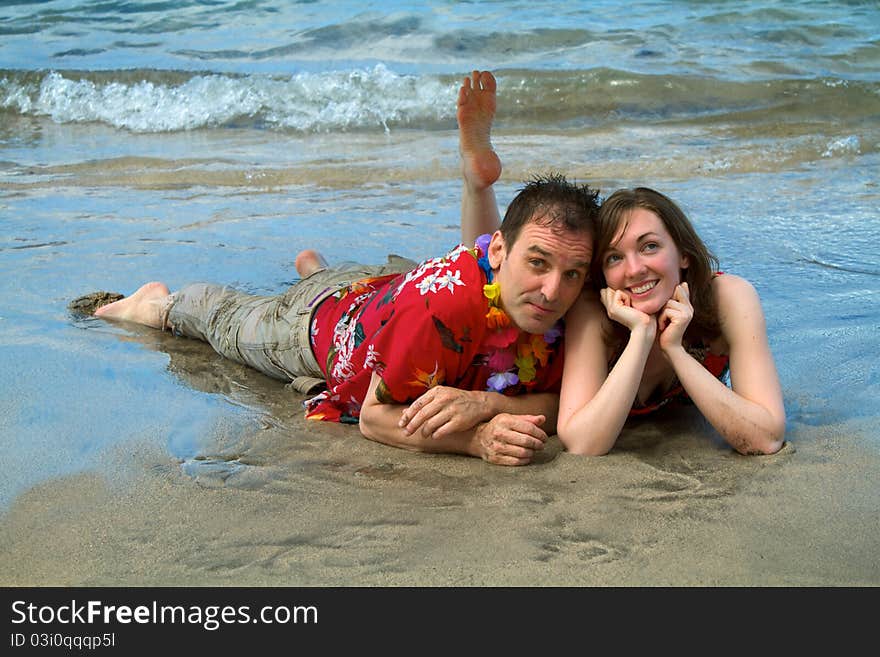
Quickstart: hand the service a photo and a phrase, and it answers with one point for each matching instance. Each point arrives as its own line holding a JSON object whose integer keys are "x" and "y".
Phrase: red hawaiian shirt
{"x": 420, "y": 329}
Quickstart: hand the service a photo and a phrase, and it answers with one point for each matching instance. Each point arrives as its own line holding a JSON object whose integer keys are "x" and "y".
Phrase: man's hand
{"x": 442, "y": 411}
{"x": 498, "y": 428}
{"x": 511, "y": 439}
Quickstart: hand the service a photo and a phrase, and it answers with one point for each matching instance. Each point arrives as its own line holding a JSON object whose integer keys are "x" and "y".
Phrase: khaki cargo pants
{"x": 269, "y": 333}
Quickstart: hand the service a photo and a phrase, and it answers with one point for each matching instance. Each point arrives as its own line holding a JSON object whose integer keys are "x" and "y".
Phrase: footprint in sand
{"x": 671, "y": 485}
{"x": 561, "y": 542}
{"x": 367, "y": 548}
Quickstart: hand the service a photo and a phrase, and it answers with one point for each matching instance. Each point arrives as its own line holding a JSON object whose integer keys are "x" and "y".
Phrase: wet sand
{"x": 280, "y": 501}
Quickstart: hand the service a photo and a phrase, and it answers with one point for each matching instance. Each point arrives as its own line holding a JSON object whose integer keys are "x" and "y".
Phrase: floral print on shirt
{"x": 416, "y": 330}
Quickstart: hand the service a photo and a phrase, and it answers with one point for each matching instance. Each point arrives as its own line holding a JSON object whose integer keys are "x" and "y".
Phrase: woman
{"x": 665, "y": 325}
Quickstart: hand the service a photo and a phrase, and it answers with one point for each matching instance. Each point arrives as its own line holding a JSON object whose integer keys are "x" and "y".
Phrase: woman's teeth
{"x": 641, "y": 289}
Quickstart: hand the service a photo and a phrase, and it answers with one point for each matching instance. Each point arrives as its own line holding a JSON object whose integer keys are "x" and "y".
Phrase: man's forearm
{"x": 488, "y": 425}
{"x": 380, "y": 422}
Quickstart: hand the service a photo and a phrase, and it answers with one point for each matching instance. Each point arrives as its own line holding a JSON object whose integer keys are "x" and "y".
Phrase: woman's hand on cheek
{"x": 675, "y": 317}
{"x": 619, "y": 307}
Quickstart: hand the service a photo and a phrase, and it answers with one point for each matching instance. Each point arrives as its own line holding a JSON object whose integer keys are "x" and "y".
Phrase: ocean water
{"x": 184, "y": 141}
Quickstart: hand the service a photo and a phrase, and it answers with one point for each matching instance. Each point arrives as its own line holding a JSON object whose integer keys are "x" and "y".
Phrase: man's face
{"x": 541, "y": 275}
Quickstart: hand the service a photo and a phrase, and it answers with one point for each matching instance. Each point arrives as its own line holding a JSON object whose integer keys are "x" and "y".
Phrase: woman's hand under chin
{"x": 675, "y": 317}
{"x": 618, "y": 304}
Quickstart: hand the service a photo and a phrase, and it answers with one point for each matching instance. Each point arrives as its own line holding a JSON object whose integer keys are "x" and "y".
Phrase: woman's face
{"x": 644, "y": 261}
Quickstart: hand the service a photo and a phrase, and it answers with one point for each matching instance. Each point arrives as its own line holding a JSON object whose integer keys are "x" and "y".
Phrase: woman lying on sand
{"x": 665, "y": 324}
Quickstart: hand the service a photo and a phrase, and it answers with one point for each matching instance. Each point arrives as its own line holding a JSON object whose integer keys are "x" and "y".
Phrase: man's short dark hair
{"x": 551, "y": 200}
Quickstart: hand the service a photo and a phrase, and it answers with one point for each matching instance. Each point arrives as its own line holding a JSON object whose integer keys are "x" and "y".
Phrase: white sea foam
{"x": 306, "y": 101}
{"x": 843, "y": 146}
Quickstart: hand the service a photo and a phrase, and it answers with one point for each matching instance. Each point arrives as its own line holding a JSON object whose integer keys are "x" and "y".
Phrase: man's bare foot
{"x": 145, "y": 306}
{"x": 308, "y": 262}
{"x": 480, "y": 164}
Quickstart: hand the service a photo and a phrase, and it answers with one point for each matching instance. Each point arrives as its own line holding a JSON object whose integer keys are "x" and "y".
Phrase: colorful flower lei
{"x": 513, "y": 355}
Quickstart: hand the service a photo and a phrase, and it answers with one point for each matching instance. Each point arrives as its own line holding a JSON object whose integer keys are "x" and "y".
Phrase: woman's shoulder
{"x": 738, "y": 306}
{"x": 729, "y": 288}
{"x": 588, "y": 310}
{"x": 589, "y": 319}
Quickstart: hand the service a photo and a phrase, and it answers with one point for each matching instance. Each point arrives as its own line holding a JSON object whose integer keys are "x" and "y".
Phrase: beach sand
{"x": 281, "y": 501}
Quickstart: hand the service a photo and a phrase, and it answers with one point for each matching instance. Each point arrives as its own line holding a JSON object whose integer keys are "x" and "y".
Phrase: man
{"x": 461, "y": 354}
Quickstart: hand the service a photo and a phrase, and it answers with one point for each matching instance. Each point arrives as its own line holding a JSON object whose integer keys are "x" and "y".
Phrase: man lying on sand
{"x": 459, "y": 354}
